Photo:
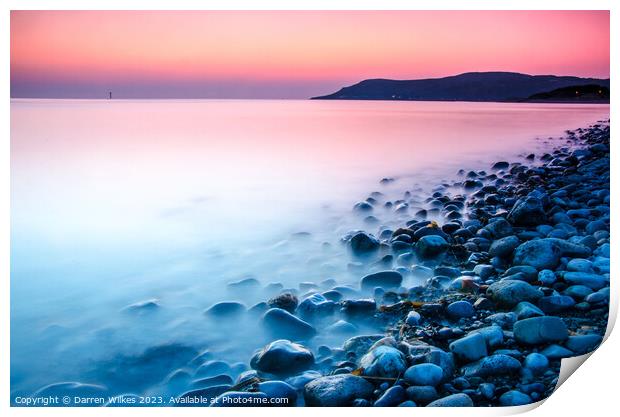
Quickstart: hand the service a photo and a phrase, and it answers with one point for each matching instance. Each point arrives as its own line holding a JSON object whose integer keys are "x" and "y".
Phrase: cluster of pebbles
{"x": 515, "y": 267}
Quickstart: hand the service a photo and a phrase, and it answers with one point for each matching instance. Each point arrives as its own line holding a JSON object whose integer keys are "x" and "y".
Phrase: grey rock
{"x": 430, "y": 247}
{"x": 281, "y": 323}
{"x": 383, "y": 279}
{"x": 383, "y": 361}
{"x": 509, "y": 293}
{"x": 469, "y": 348}
{"x": 454, "y": 400}
{"x": 539, "y": 330}
{"x": 337, "y": 390}
{"x": 282, "y": 357}
{"x": 527, "y": 211}
{"x": 494, "y": 365}
{"x": 424, "y": 374}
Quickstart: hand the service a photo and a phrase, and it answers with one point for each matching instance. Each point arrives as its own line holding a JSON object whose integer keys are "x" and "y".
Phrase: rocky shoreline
{"x": 513, "y": 266}
{"x": 517, "y": 279}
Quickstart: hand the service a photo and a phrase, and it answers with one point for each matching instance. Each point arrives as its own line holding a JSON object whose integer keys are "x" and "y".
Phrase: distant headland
{"x": 480, "y": 86}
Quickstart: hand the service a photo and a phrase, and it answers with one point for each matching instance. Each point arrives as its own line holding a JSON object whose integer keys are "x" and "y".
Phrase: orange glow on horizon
{"x": 336, "y": 46}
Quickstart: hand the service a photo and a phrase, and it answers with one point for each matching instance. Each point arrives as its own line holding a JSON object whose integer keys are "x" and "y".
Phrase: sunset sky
{"x": 288, "y": 54}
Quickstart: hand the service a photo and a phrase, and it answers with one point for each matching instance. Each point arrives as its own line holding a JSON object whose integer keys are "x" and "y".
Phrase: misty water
{"x": 120, "y": 202}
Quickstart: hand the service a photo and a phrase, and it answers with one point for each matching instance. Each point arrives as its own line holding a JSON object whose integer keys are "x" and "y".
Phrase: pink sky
{"x": 289, "y": 54}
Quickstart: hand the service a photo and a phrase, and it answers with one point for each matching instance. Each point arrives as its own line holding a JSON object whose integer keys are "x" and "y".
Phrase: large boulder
{"x": 383, "y": 361}
{"x": 383, "y": 279}
{"x": 430, "y": 247}
{"x": 539, "y": 330}
{"x": 508, "y": 293}
{"x": 546, "y": 253}
{"x": 316, "y": 307}
{"x": 424, "y": 374}
{"x": 594, "y": 281}
{"x": 337, "y": 390}
{"x": 454, "y": 400}
{"x": 469, "y": 348}
{"x": 281, "y": 323}
{"x": 494, "y": 365}
{"x": 282, "y": 357}
{"x": 504, "y": 247}
{"x": 362, "y": 243}
{"x": 527, "y": 211}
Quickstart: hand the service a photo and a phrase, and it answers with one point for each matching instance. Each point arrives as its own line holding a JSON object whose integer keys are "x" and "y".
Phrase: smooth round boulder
{"x": 539, "y": 330}
{"x": 392, "y": 397}
{"x": 527, "y": 211}
{"x": 316, "y": 308}
{"x": 495, "y": 365}
{"x": 383, "y": 361}
{"x": 469, "y": 348}
{"x": 363, "y": 243}
{"x": 430, "y": 247}
{"x": 536, "y": 363}
{"x": 454, "y": 400}
{"x": 508, "y": 293}
{"x": 513, "y": 398}
{"x": 460, "y": 309}
{"x": 424, "y": 374}
{"x": 281, "y": 323}
{"x": 226, "y": 309}
{"x": 383, "y": 279}
{"x": 337, "y": 390}
{"x": 282, "y": 357}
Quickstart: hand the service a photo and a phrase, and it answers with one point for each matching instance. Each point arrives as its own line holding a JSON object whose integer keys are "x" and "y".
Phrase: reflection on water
{"x": 121, "y": 202}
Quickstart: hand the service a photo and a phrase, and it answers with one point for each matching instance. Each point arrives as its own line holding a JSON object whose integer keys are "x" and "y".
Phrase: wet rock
{"x": 247, "y": 284}
{"x": 493, "y": 335}
{"x": 525, "y": 310}
{"x": 527, "y": 211}
{"x": 454, "y": 400}
{"x": 501, "y": 165}
{"x": 212, "y": 368}
{"x": 316, "y": 308}
{"x": 509, "y": 293}
{"x": 555, "y": 303}
{"x": 430, "y": 247}
{"x": 383, "y": 279}
{"x": 513, "y": 398}
{"x": 536, "y": 363}
{"x": 282, "y": 357}
{"x": 499, "y": 228}
{"x": 460, "y": 309}
{"x": 546, "y": 253}
{"x": 359, "y": 309}
{"x": 226, "y": 309}
{"x": 422, "y": 394}
{"x": 362, "y": 207}
{"x": 424, "y": 374}
{"x": 337, "y": 390}
{"x": 361, "y": 344}
{"x": 392, "y": 397}
{"x": 494, "y": 365}
{"x": 593, "y": 281}
{"x": 341, "y": 327}
{"x": 362, "y": 243}
{"x": 469, "y": 348}
{"x": 383, "y": 361}
{"x": 143, "y": 307}
{"x": 413, "y": 318}
{"x": 286, "y": 301}
{"x": 547, "y": 277}
{"x": 579, "y": 265}
{"x": 281, "y": 323}
{"x": 539, "y": 330}
{"x": 557, "y": 352}
{"x": 221, "y": 379}
{"x": 504, "y": 247}
{"x": 583, "y": 343}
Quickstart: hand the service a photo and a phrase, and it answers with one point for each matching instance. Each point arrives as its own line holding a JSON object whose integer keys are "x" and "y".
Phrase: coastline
{"x": 510, "y": 292}
{"x": 515, "y": 277}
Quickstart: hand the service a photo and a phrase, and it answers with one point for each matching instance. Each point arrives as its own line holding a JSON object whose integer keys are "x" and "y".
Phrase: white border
{"x": 592, "y": 391}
